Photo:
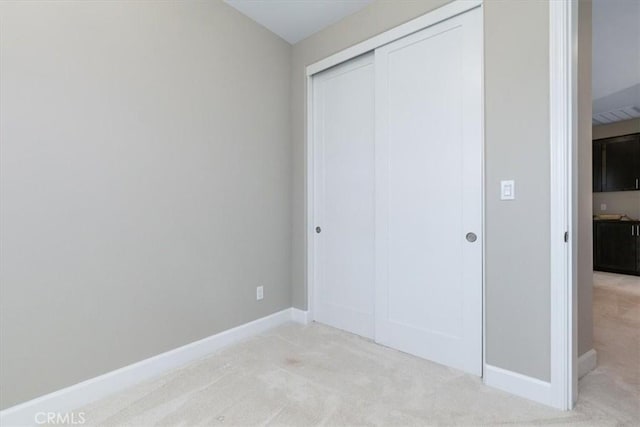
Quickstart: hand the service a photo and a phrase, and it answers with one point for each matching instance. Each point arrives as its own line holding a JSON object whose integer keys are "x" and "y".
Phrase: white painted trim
{"x": 518, "y": 384}
{"x": 587, "y": 363}
{"x": 430, "y": 18}
{"x": 310, "y": 243}
{"x": 484, "y": 217}
{"x": 563, "y": 70}
{"x": 78, "y": 395}
{"x": 300, "y": 316}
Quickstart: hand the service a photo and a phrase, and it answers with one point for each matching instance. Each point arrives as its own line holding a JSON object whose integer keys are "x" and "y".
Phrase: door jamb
{"x": 563, "y": 35}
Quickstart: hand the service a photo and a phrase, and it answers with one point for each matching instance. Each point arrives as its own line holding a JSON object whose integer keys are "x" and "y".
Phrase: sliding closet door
{"x": 429, "y": 193}
{"x": 343, "y": 126}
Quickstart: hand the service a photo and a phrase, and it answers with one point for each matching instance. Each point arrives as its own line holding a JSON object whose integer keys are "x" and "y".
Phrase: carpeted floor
{"x": 616, "y": 331}
{"x": 317, "y": 375}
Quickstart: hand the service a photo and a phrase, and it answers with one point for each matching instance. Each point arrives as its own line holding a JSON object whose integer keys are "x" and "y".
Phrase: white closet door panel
{"x": 429, "y": 193}
{"x": 344, "y": 196}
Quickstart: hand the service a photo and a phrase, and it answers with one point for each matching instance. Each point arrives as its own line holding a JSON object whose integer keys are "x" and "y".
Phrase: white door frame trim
{"x": 563, "y": 34}
{"x": 433, "y": 17}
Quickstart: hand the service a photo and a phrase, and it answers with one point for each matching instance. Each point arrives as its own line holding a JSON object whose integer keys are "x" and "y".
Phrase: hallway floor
{"x": 317, "y": 375}
{"x": 616, "y": 324}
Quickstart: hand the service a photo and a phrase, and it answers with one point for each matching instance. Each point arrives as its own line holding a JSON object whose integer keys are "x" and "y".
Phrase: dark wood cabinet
{"x": 616, "y": 163}
{"x": 597, "y": 166}
{"x": 616, "y": 246}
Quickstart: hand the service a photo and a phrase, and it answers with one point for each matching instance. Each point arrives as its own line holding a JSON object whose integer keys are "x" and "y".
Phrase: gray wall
{"x": 145, "y": 183}
{"x": 517, "y": 147}
{"x": 585, "y": 186}
{"x": 618, "y": 202}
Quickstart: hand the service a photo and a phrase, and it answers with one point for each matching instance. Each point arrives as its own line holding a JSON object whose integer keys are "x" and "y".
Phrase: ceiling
{"x": 616, "y": 60}
{"x": 295, "y": 20}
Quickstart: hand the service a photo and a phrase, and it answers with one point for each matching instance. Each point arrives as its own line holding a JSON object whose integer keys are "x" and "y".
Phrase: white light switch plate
{"x": 507, "y": 190}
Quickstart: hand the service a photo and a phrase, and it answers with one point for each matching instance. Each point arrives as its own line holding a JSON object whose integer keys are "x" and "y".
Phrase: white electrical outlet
{"x": 603, "y": 206}
{"x": 259, "y": 293}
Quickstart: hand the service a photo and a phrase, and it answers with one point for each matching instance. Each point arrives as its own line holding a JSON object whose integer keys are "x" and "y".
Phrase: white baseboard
{"x": 78, "y": 395}
{"x": 300, "y": 316}
{"x": 587, "y": 363}
{"x": 518, "y": 384}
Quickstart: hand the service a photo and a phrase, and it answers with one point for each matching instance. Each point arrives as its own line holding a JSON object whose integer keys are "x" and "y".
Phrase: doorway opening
{"x": 609, "y": 202}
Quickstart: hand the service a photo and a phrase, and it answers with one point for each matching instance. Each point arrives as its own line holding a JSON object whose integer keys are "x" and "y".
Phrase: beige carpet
{"x": 616, "y": 333}
{"x": 316, "y": 375}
